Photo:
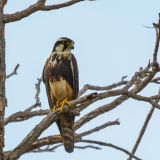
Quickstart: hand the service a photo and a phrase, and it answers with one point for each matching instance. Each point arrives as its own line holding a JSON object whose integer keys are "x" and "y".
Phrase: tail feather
{"x": 66, "y": 130}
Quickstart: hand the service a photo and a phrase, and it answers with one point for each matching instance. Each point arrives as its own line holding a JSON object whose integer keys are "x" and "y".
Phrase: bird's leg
{"x": 54, "y": 109}
{"x": 65, "y": 101}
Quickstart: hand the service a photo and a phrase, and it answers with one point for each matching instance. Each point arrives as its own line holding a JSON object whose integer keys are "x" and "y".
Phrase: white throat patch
{"x": 59, "y": 48}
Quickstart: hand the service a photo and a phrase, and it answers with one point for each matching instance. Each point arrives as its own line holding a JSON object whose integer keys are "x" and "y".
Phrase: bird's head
{"x": 63, "y": 44}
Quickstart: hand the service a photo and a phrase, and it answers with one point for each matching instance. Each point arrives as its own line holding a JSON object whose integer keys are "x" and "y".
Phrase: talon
{"x": 65, "y": 101}
{"x": 55, "y": 107}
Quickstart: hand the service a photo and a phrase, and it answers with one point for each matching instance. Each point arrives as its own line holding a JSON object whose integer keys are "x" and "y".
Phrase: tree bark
{"x": 2, "y": 84}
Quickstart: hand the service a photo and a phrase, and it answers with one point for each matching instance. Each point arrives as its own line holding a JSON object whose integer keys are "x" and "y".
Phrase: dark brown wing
{"x": 46, "y": 77}
{"x": 75, "y": 74}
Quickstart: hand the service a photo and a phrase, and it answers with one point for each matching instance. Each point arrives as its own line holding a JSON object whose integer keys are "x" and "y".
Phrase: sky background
{"x": 110, "y": 42}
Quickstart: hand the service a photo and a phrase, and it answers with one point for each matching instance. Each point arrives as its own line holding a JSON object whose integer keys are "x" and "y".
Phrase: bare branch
{"x": 52, "y": 149}
{"x": 21, "y": 116}
{"x": 50, "y": 140}
{"x": 47, "y": 149}
{"x": 54, "y": 140}
{"x": 14, "y": 72}
{"x": 87, "y": 146}
{"x": 96, "y": 129}
{"x": 98, "y": 88}
{"x": 37, "y": 99}
{"x": 39, "y": 6}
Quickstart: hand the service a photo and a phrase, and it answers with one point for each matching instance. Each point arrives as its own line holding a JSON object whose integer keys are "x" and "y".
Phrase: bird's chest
{"x": 61, "y": 76}
{"x": 61, "y": 89}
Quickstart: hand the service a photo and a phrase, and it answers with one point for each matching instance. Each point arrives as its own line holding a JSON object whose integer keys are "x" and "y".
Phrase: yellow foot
{"x": 55, "y": 107}
{"x": 65, "y": 101}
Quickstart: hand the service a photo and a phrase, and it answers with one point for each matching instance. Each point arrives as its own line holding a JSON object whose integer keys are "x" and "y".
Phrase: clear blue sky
{"x": 110, "y": 42}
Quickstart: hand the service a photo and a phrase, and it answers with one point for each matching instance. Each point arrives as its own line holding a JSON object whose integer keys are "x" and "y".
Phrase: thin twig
{"x": 14, "y": 72}
{"x": 47, "y": 149}
{"x": 96, "y": 129}
{"x": 37, "y": 86}
{"x": 157, "y": 28}
{"x": 87, "y": 146}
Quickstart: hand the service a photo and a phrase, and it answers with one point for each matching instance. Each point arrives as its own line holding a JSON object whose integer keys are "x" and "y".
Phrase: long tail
{"x": 65, "y": 125}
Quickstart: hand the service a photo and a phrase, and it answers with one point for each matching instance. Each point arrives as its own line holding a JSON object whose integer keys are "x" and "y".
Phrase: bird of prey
{"x": 60, "y": 75}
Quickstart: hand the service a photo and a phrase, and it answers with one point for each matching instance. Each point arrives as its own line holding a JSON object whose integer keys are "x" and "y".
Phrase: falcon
{"x": 61, "y": 79}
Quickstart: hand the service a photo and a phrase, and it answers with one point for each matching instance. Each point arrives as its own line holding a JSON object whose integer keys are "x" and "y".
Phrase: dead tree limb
{"x": 157, "y": 29}
{"x": 38, "y": 6}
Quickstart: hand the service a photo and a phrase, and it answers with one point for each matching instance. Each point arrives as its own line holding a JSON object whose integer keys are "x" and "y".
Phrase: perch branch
{"x": 27, "y": 114}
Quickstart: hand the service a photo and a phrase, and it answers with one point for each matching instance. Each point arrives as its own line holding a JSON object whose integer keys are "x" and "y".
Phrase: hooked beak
{"x": 72, "y": 47}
